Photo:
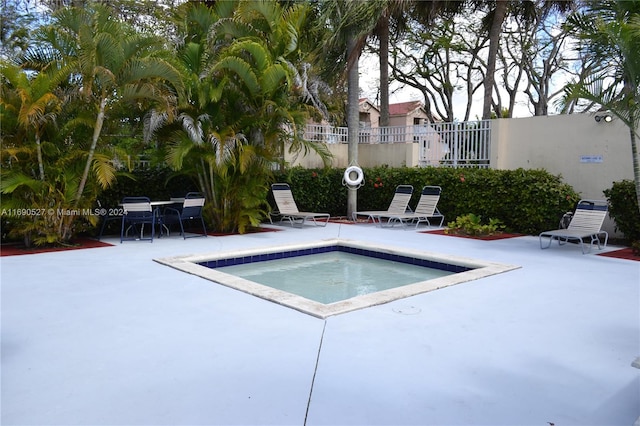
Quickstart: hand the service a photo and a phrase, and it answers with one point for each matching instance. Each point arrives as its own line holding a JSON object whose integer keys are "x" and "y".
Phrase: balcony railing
{"x": 373, "y": 135}
{"x": 464, "y": 144}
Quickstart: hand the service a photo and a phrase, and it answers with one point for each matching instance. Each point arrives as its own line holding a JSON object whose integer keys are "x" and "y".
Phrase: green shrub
{"x": 623, "y": 208}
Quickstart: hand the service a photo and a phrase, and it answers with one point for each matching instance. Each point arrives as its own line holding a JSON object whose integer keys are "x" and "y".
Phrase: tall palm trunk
{"x": 494, "y": 42}
{"x": 353, "y": 117}
{"x": 636, "y": 163}
{"x": 97, "y": 129}
{"x": 39, "y": 153}
{"x": 384, "y": 70}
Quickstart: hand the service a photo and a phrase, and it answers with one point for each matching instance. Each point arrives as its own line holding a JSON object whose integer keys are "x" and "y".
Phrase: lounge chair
{"x": 398, "y": 205}
{"x": 585, "y": 223}
{"x": 189, "y": 209}
{"x": 427, "y": 208}
{"x": 288, "y": 210}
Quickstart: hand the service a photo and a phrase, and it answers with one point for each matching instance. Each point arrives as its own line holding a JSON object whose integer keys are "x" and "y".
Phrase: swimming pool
{"x": 212, "y": 266}
{"x": 334, "y": 275}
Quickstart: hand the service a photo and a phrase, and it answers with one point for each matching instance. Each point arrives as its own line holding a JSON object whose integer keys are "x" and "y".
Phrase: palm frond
{"x": 242, "y": 69}
{"x": 13, "y": 180}
{"x": 256, "y": 50}
{"x": 273, "y": 78}
{"x": 104, "y": 170}
{"x": 193, "y": 128}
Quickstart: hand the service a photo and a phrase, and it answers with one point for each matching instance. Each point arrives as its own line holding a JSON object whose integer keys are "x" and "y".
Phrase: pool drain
{"x": 407, "y": 310}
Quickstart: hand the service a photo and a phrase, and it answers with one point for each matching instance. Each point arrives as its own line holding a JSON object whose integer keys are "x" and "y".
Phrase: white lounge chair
{"x": 585, "y": 223}
{"x": 427, "y": 208}
{"x": 398, "y": 205}
{"x": 288, "y": 210}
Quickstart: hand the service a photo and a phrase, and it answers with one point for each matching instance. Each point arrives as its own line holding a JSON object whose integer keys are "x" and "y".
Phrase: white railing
{"x": 371, "y": 135}
{"x": 467, "y": 144}
{"x": 464, "y": 144}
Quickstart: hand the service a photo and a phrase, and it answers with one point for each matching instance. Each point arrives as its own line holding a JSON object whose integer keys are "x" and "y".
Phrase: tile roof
{"x": 403, "y": 108}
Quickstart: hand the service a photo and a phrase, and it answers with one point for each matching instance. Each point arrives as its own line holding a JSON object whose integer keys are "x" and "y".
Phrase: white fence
{"x": 441, "y": 144}
{"x": 373, "y": 135}
{"x": 467, "y": 144}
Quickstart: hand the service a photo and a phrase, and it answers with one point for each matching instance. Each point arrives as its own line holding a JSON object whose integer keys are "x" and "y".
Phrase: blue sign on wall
{"x": 591, "y": 158}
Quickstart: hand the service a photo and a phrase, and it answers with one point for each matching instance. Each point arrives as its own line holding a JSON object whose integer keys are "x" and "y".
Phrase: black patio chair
{"x": 189, "y": 210}
{"x": 107, "y": 215}
{"x": 137, "y": 212}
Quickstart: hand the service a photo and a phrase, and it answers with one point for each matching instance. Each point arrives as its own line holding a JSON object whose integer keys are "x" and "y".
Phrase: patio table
{"x": 156, "y": 207}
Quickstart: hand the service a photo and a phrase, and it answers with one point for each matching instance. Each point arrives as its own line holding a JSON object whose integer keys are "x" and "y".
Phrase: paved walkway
{"x": 107, "y": 336}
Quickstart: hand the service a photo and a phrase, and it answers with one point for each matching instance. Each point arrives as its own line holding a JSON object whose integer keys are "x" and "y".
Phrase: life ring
{"x": 359, "y": 176}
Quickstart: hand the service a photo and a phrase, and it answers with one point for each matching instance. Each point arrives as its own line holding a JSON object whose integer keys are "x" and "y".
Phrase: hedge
{"x": 525, "y": 201}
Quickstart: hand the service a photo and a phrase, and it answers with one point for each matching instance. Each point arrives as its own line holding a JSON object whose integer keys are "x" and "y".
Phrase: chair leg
{"x": 184, "y": 236}
{"x": 550, "y": 241}
{"x": 104, "y": 222}
{"x": 582, "y": 246}
{"x": 204, "y": 228}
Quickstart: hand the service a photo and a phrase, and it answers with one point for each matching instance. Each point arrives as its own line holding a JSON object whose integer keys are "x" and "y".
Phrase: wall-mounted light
{"x": 603, "y": 116}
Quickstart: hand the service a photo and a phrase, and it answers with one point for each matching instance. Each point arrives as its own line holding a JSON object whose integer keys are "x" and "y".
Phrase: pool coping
{"x": 481, "y": 269}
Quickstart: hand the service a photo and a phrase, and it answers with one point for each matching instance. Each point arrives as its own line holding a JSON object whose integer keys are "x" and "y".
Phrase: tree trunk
{"x": 636, "y": 163}
{"x": 384, "y": 71}
{"x": 94, "y": 142}
{"x": 353, "y": 119}
{"x": 40, "y": 162}
{"x": 494, "y": 41}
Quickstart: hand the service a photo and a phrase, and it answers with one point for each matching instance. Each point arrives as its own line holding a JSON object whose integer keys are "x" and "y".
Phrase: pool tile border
{"x": 466, "y": 270}
{"x": 232, "y": 261}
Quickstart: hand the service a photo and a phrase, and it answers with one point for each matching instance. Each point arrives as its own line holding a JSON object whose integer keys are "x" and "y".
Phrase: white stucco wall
{"x": 590, "y": 156}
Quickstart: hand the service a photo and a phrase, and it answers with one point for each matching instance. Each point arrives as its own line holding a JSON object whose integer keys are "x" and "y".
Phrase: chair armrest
{"x": 171, "y": 209}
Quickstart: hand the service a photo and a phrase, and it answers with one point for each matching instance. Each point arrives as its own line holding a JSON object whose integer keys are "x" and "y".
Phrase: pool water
{"x": 333, "y": 276}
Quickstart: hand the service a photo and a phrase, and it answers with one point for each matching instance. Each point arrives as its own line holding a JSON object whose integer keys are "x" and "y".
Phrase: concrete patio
{"x": 107, "y": 336}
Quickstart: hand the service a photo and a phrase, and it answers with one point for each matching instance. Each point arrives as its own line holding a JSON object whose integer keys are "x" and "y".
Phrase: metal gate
{"x": 465, "y": 144}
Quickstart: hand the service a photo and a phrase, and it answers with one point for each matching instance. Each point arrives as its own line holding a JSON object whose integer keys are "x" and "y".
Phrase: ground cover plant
{"x": 471, "y": 224}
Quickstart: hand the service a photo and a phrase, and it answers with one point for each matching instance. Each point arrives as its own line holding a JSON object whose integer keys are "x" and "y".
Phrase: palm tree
{"x": 104, "y": 64}
{"x": 112, "y": 63}
{"x": 394, "y": 13}
{"x": 346, "y": 26}
{"x": 610, "y": 35}
{"x": 207, "y": 141}
{"x": 37, "y": 105}
{"x": 240, "y": 62}
{"x": 390, "y": 12}
{"x": 28, "y": 111}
